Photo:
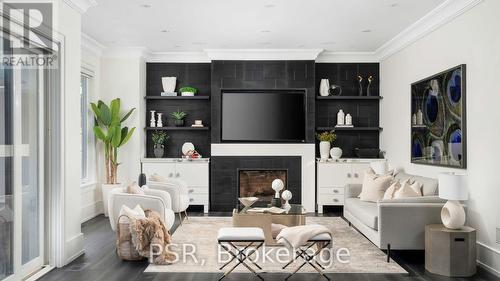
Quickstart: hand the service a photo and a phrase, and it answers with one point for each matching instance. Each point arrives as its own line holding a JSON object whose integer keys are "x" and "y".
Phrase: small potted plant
{"x": 325, "y": 139}
{"x": 159, "y": 138}
{"x": 188, "y": 91}
{"x": 178, "y": 117}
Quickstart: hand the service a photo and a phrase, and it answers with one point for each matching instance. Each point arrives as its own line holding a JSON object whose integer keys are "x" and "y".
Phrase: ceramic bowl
{"x": 248, "y": 201}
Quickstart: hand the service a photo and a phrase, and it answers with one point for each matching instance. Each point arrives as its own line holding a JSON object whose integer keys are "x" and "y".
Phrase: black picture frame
{"x": 440, "y": 139}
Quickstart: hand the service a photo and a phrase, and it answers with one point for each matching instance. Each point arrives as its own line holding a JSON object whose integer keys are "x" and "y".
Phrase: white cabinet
{"x": 332, "y": 177}
{"x": 195, "y": 173}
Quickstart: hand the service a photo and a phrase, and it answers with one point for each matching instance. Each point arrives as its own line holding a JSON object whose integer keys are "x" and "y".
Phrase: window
{"x": 84, "y": 128}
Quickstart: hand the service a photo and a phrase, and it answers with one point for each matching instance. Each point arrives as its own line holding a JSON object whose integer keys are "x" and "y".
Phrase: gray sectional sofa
{"x": 398, "y": 223}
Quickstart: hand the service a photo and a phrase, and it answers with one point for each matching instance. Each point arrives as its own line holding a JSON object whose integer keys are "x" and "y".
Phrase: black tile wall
{"x": 345, "y": 75}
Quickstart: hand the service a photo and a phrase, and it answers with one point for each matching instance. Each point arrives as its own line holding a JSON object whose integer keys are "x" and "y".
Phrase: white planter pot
{"x": 336, "y": 153}
{"x": 187, "y": 94}
{"x": 324, "y": 149}
{"x": 105, "y": 189}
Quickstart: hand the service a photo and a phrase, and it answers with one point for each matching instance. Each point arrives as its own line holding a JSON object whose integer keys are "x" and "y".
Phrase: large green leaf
{"x": 127, "y": 115}
{"x": 117, "y": 136}
{"x": 128, "y": 136}
{"x": 99, "y": 133}
{"x": 115, "y": 111}
{"x": 105, "y": 114}
{"x": 97, "y": 112}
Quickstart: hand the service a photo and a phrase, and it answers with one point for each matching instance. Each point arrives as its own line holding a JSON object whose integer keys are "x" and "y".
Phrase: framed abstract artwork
{"x": 438, "y": 119}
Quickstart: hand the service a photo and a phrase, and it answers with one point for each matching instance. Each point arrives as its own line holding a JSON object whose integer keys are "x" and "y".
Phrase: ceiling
{"x": 194, "y": 25}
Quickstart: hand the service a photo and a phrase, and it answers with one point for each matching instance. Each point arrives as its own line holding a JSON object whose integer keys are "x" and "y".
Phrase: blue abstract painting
{"x": 438, "y": 119}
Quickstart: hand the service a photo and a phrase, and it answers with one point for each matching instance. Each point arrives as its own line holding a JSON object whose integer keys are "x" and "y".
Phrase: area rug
{"x": 201, "y": 233}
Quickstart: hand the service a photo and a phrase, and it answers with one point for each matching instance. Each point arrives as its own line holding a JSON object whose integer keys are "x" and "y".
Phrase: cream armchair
{"x": 153, "y": 199}
{"x": 177, "y": 189}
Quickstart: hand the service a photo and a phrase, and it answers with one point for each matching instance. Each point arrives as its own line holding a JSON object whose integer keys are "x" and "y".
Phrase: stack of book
{"x": 168, "y": 94}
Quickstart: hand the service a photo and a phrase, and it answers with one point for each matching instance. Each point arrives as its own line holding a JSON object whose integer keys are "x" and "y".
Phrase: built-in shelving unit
{"x": 363, "y": 108}
{"x": 197, "y": 107}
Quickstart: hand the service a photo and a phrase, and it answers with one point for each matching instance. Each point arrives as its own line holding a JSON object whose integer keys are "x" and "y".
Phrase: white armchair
{"x": 177, "y": 189}
{"x": 155, "y": 200}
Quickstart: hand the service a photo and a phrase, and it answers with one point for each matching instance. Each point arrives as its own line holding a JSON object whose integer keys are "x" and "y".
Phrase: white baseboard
{"x": 91, "y": 211}
{"x": 488, "y": 258}
{"x": 74, "y": 248}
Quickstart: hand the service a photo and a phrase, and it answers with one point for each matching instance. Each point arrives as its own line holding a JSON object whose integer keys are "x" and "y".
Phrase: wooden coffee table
{"x": 244, "y": 217}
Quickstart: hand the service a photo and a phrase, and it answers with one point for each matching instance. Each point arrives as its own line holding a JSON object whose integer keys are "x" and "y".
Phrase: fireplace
{"x": 258, "y": 183}
{"x": 242, "y": 176}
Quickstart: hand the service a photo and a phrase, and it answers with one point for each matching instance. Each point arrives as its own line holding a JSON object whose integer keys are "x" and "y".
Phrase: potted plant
{"x": 108, "y": 128}
{"x": 188, "y": 91}
{"x": 178, "y": 117}
{"x": 325, "y": 139}
{"x": 159, "y": 138}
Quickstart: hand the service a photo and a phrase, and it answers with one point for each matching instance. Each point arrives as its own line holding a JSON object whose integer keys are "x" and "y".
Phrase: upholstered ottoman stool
{"x": 251, "y": 237}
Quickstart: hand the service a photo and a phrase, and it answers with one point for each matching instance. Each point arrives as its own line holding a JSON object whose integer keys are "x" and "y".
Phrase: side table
{"x": 450, "y": 252}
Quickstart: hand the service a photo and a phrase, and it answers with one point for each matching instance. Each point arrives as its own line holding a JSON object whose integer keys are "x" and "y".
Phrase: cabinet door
{"x": 163, "y": 169}
{"x": 194, "y": 174}
{"x": 358, "y": 172}
{"x": 333, "y": 175}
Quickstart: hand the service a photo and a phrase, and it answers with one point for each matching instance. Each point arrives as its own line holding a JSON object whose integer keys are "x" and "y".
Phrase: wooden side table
{"x": 450, "y": 252}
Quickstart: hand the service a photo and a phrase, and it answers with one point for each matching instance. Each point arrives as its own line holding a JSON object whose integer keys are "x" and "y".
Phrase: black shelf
{"x": 353, "y": 129}
{"x": 354, "y": 98}
{"x": 178, "y": 128}
{"x": 177, "y": 98}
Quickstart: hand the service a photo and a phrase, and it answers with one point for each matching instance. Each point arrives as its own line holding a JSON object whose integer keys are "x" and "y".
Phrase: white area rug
{"x": 202, "y": 232}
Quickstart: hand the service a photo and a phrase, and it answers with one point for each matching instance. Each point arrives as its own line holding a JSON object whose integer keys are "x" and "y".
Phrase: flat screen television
{"x": 264, "y": 116}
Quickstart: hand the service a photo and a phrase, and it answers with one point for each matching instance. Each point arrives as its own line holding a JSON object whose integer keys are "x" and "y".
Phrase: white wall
{"x": 124, "y": 77}
{"x": 91, "y": 196}
{"x": 472, "y": 39}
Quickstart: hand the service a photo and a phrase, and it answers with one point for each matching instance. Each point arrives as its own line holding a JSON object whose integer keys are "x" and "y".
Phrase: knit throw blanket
{"x": 152, "y": 232}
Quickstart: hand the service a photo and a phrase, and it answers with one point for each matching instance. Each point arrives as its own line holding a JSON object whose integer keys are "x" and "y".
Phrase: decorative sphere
{"x": 286, "y": 195}
{"x": 278, "y": 185}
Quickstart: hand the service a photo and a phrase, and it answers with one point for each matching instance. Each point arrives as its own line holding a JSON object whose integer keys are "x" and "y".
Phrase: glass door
{"x": 21, "y": 171}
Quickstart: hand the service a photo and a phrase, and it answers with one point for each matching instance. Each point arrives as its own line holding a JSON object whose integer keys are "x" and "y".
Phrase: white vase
{"x": 152, "y": 121}
{"x": 324, "y": 88}
{"x": 159, "y": 124}
{"x": 324, "y": 149}
{"x": 348, "y": 119}
{"x": 105, "y": 189}
{"x": 168, "y": 84}
{"x": 340, "y": 117}
{"x": 336, "y": 153}
{"x": 420, "y": 117}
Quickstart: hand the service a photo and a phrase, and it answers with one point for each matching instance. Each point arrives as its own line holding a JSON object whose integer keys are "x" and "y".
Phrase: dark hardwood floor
{"x": 101, "y": 263}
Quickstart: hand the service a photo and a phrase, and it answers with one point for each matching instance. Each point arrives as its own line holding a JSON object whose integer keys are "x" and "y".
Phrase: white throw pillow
{"x": 374, "y": 187}
{"x": 417, "y": 187}
{"x": 389, "y": 193}
{"x": 136, "y": 213}
{"x": 134, "y": 188}
{"x": 380, "y": 167}
{"x": 406, "y": 191}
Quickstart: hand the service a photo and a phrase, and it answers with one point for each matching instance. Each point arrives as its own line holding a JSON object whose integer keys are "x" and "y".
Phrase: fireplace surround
{"x": 226, "y": 172}
{"x": 258, "y": 183}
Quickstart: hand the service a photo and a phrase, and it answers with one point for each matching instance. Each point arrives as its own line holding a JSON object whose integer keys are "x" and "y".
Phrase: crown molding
{"x": 328, "y": 56}
{"x": 81, "y": 6}
{"x": 263, "y": 54}
{"x": 442, "y": 14}
{"x": 126, "y": 52}
{"x": 177, "y": 57}
{"x": 92, "y": 45}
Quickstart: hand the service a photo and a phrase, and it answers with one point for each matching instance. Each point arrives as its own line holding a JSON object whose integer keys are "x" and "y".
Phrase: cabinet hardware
{"x": 349, "y": 175}
{"x": 191, "y": 199}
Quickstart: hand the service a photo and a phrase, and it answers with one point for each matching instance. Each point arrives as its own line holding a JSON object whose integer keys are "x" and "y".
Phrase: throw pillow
{"x": 374, "y": 187}
{"x": 136, "y": 213}
{"x": 389, "y": 193}
{"x": 417, "y": 187}
{"x": 135, "y": 189}
{"x": 406, "y": 191}
{"x": 156, "y": 177}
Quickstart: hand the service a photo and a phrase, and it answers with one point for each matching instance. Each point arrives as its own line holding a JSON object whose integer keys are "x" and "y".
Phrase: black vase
{"x": 142, "y": 179}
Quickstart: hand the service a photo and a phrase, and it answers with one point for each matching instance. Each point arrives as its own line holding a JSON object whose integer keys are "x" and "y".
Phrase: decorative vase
{"x": 335, "y": 90}
{"x": 106, "y": 189}
{"x": 324, "y": 149}
{"x": 324, "y": 88}
{"x": 179, "y": 123}
{"x": 340, "y": 117}
{"x": 152, "y": 121}
{"x": 420, "y": 117}
{"x": 348, "y": 119}
{"x": 168, "y": 84}
{"x": 159, "y": 123}
{"x": 414, "y": 119}
{"x": 360, "y": 80}
{"x": 277, "y": 186}
{"x": 159, "y": 150}
{"x": 370, "y": 79}
{"x": 287, "y": 196}
{"x": 336, "y": 153}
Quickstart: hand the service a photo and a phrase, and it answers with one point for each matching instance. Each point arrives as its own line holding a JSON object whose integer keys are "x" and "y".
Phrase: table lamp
{"x": 452, "y": 187}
